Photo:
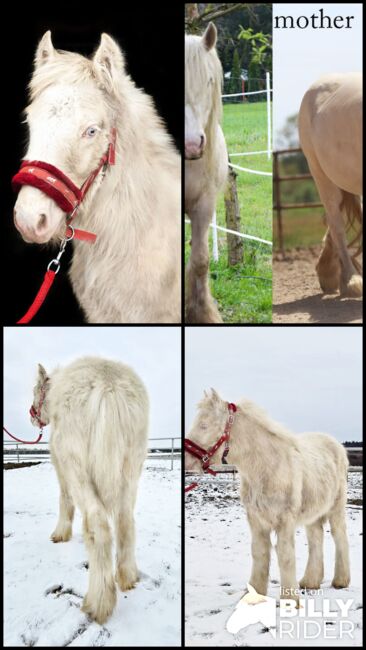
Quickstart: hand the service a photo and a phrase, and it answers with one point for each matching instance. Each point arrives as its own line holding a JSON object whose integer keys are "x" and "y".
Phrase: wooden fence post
{"x": 232, "y": 210}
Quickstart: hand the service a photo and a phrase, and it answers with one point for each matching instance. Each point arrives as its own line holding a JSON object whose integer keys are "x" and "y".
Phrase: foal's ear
{"x": 108, "y": 62}
{"x": 42, "y": 373}
{"x": 209, "y": 37}
{"x": 215, "y": 396}
{"x": 45, "y": 50}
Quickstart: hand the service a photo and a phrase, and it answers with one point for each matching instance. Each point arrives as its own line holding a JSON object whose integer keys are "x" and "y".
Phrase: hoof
{"x": 340, "y": 584}
{"x": 100, "y": 610}
{"x": 127, "y": 579}
{"x": 309, "y": 584}
{"x": 64, "y": 536}
{"x": 353, "y": 289}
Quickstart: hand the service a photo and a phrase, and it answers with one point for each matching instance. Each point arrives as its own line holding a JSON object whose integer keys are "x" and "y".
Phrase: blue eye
{"x": 91, "y": 131}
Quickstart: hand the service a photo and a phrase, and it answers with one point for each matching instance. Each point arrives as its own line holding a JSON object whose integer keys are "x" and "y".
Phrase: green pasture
{"x": 244, "y": 292}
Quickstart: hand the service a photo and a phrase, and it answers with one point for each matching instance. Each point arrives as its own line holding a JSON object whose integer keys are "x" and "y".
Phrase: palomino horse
{"x": 98, "y": 412}
{"x": 287, "y": 480}
{"x": 206, "y": 165}
{"x": 132, "y": 273}
{"x": 330, "y": 128}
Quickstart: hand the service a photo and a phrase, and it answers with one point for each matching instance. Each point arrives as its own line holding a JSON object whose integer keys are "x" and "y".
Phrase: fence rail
{"x": 18, "y": 452}
{"x": 278, "y": 205}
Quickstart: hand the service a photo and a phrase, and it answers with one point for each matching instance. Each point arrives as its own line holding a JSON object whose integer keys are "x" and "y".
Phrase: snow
{"x": 218, "y": 564}
{"x": 45, "y": 582}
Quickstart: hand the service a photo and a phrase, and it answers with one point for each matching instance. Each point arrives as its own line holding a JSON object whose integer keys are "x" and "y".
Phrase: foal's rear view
{"x": 98, "y": 412}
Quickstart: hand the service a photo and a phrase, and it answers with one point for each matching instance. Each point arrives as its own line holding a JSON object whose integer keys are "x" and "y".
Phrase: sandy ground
{"x": 297, "y": 297}
{"x": 218, "y": 563}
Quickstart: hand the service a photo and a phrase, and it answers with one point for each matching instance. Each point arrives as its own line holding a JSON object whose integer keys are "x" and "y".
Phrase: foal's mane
{"x": 270, "y": 427}
{"x": 204, "y": 66}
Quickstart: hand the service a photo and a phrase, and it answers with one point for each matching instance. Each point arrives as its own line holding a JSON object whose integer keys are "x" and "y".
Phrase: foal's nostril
{"x": 202, "y": 142}
{"x": 42, "y": 223}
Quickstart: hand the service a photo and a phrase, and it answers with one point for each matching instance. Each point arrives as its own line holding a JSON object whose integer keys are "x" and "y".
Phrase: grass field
{"x": 244, "y": 292}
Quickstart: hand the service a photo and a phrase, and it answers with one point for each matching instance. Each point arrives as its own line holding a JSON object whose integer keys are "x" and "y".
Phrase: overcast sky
{"x": 301, "y": 56}
{"x": 307, "y": 378}
{"x": 153, "y": 352}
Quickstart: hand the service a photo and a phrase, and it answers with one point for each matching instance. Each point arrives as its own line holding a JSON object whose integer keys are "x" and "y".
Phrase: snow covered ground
{"x": 218, "y": 564}
{"x": 45, "y": 582}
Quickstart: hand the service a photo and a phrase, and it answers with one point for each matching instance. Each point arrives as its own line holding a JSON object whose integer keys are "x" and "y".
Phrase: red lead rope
{"x": 25, "y": 442}
{"x": 39, "y": 300}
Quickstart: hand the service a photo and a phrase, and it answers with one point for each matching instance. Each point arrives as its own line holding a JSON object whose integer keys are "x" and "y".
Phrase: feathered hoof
{"x": 338, "y": 583}
{"x": 100, "y": 609}
{"x": 61, "y": 536}
{"x": 353, "y": 289}
{"x": 127, "y": 578}
{"x": 305, "y": 583}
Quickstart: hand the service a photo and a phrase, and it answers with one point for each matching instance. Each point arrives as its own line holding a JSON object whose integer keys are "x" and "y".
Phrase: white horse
{"x": 286, "y": 480}
{"x": 98, "y": 412}
{"x": 206, "y": 165}
{"x": 330, "y": 129}
{"x": 132, "y": 272}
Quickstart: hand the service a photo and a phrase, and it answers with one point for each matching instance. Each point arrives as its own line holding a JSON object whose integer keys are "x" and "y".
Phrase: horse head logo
{"x": 252, "y": 608}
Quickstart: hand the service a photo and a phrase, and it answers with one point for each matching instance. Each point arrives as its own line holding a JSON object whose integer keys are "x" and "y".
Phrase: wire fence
{"x": 16, "y": 452}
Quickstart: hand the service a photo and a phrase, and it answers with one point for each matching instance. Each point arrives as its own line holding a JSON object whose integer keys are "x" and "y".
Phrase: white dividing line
{"x": 238, "y": 234}
{"x": 250, "y": 171}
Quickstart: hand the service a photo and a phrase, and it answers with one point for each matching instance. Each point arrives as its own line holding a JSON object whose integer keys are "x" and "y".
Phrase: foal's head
{"x": 70, "y": 116}
{"x": 40, "y": 402}
{"x": 207, "y": 427}
{"x": 203, "y": 81}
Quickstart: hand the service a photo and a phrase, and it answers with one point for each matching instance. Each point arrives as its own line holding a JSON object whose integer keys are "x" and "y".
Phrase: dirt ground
{"x": 297, "y": 297}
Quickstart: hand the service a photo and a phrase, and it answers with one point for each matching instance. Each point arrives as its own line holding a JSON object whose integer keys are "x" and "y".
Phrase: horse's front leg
{"x": 286, "y": 560}
{"x": 200, "y": 306}
{"x": 261, "y": 551}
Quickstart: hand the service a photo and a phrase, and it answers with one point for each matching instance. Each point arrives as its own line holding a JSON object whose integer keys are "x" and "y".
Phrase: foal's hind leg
{"x": 338, "y": 528}
{"x": 200, "y": 306}
{"x": 126, "y": 572}
{"x": 314, "y": 572}
{"x": 63, "y": 530}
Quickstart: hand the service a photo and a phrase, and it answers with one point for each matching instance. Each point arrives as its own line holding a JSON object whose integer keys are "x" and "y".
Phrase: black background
{"x": 151, "y": 36}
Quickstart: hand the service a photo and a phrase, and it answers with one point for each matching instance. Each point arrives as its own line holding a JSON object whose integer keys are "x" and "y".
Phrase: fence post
{"x": 269, "y": 136}
{"x": 215, "y": 247}
{"x": 277, "y": 192}
{"x": 232, "y": 209}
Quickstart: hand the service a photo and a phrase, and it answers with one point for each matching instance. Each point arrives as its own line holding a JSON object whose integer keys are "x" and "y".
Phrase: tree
{"x": 235, "y": 77}
{"x": 260, "y": 56}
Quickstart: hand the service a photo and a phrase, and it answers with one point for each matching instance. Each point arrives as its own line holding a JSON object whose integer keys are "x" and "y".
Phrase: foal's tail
{"x": 352, "y": 206}
{"x": 116, "y": 445}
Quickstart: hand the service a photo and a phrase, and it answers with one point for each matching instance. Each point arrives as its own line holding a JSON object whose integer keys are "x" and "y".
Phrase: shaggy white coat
{"x": 98, "y": 412}
{"x": 286, "y": 480}
{"x": 132, "y": 273}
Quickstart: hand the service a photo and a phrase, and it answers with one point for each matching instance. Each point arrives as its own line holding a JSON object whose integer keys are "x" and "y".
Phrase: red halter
{"x": 53, "y": 182}
{"x": 205, "y": 455}
{"x": 36, "y": 412}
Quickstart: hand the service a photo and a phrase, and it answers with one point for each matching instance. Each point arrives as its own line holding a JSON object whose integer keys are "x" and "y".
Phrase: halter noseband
{"x": 205, "y": 455}
{"x": 59, "y": 187}
{"x": 36, "y": 412}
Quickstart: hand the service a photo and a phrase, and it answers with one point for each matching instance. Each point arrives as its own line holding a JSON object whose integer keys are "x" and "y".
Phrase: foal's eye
{"x": 91, "y": 131}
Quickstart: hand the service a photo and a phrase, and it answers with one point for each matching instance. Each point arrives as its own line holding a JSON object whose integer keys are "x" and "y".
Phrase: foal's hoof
{"x": 101, "y": 609}
{"x": 63, "y": 536}
{"x": 309, "y": 584}
{"x": 340, "y": 584}
{"x": 127, "y": 578}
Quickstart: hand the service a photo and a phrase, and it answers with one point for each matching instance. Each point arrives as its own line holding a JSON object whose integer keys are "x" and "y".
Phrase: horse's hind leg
{"x": 332, "y": 199}
{"x": 200, "y": 306}
{"x": 328, "y": 266}
{"x": 314, "y": 572}
{"x": 126, "y": 572}
{"x": 337, "y": 520}
{"x": 63, "y": 530}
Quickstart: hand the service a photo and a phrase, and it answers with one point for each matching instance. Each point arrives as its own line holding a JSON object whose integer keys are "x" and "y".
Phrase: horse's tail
{"x": 352, "y": 207}
{"x": 117, "y": 443}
